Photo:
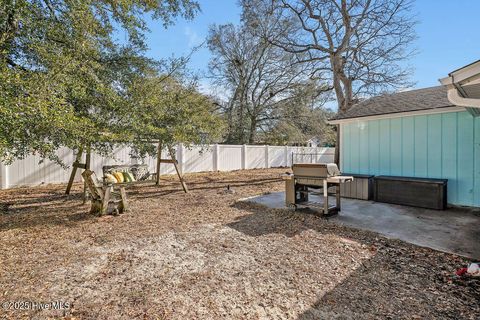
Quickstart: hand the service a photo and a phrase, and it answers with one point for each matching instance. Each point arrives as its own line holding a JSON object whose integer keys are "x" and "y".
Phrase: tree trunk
{"x": 241, "y": 120}
{"x": 233, "y": 116}
{"x": 253, "y": 130}
{"x": 342, "y": 85}
{"x": 336, "y": 62}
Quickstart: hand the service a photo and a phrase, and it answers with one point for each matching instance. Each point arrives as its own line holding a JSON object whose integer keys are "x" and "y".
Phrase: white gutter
{"x": 455, "y": 98}
{"x": 458, "y": 100}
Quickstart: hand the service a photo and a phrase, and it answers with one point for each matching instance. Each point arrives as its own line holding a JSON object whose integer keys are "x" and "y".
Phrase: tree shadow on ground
{"x": 36, "y": 200}
{"x": 34, "y": 210}
{"x": 400, "y": 280}
{"x": 397, "y": 283}
{"x": 174, "y": 187}
{"x": 43, "y": 207}
{"x": 265, "y": 220}
{"x": 13, "y": 221}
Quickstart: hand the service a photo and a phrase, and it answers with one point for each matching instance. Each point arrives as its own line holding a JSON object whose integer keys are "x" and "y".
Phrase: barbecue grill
{"x": 321, "y": 179}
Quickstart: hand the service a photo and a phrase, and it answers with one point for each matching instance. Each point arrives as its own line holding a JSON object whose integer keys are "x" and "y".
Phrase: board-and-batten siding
{"x": 443, "y": 145}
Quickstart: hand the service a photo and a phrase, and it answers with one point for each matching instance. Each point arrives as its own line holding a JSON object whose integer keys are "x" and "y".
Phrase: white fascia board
{"x": 399, "y": 115}
{"x": 462, "y": 74}
{"x": 446, "y": 81}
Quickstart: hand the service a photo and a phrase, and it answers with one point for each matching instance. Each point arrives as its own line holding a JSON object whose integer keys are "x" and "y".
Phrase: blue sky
{"x": 448, "y": 34}
{"x": 180, "y": 38}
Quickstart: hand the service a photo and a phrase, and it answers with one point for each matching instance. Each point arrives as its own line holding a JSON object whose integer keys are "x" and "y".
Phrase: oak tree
{"x": 64, "y": 74}
{"x": 360, "y": 45}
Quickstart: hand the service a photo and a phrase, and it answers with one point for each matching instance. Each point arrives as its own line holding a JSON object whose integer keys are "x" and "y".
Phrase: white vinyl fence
{"x": 219, "y": 157}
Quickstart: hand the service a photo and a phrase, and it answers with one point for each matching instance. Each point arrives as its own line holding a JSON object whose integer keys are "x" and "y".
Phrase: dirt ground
{"x": 206, "y": 255}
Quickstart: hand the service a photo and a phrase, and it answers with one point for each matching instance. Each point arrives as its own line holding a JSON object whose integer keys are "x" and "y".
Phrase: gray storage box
{"x": 360, "y": 188}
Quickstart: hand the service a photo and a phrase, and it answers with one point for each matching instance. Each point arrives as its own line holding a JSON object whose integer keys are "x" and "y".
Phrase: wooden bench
{"x": 86, "y": 166}
{"x": 141, "y": 174}
{"x": 104, "y": 196}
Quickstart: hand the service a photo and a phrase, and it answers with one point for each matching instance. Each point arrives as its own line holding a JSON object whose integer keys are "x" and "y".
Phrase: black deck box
{"x": 416, "y": 192}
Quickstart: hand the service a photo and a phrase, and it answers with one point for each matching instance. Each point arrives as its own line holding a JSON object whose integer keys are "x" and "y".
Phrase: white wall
{"x": 31, "y": 172}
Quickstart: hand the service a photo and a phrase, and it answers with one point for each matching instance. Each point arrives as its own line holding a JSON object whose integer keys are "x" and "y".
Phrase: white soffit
{"x": 472, "y": 90}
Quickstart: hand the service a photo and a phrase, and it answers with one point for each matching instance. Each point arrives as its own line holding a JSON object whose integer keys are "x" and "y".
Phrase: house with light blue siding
{"x": 428, "y": 133}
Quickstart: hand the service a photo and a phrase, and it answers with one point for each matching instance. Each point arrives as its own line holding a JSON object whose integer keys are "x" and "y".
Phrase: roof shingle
{"x": 414, "y": 100}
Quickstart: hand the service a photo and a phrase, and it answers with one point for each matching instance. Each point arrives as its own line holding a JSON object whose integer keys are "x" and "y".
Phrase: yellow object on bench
{"x": 110, "y": 178}
{"x": 119, "y": 176}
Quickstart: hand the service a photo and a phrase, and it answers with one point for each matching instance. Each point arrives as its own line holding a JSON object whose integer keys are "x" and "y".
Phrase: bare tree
{"x": 302, "y": 118}
{"x": 229, "y": 69}
{"x": 257, "y": 76}
{"x": 360, "y": 44}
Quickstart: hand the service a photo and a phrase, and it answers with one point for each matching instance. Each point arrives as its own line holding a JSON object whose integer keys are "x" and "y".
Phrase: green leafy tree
{"x": 64, "y": 77}
{"x": 167, "y": 109}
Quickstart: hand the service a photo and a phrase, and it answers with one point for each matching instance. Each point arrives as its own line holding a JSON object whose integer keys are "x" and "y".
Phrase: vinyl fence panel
{"x": 255, "y": 157}
{"x": 230, "y": 157}
{"x": 277, "y": 156}
{"x": 33, "y": 171}
{"x": 198, "y": 159}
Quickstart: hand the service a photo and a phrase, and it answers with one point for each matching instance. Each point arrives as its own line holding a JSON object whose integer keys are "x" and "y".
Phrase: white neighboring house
{"x": 314, "y": 142}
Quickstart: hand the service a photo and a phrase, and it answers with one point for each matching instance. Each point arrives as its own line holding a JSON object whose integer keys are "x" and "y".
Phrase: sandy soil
{"x": 206, "y": 255}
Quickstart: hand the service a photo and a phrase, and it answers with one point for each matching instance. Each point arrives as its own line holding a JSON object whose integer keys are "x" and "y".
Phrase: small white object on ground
{"x": 474, "y": 269}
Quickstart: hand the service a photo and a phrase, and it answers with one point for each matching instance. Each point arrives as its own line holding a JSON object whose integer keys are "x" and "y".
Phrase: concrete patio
{"x": 456, "y": 230}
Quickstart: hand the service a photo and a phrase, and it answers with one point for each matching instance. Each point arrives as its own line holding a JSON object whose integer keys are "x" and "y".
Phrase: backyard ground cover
{"x": 207, "y": 255}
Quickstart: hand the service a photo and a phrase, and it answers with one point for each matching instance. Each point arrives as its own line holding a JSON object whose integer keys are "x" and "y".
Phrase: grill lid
{"x": 317, "y": 170}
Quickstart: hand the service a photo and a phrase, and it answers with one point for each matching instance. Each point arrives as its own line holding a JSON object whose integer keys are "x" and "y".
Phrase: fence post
{"x": 267, "y": 160}
{"x": 216, "y": 156}
{"x": 244, "y": 156}
{"x": 3, "y": 176}
{"x": 286, "y": 156}
{"x": 181, "y": 158}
